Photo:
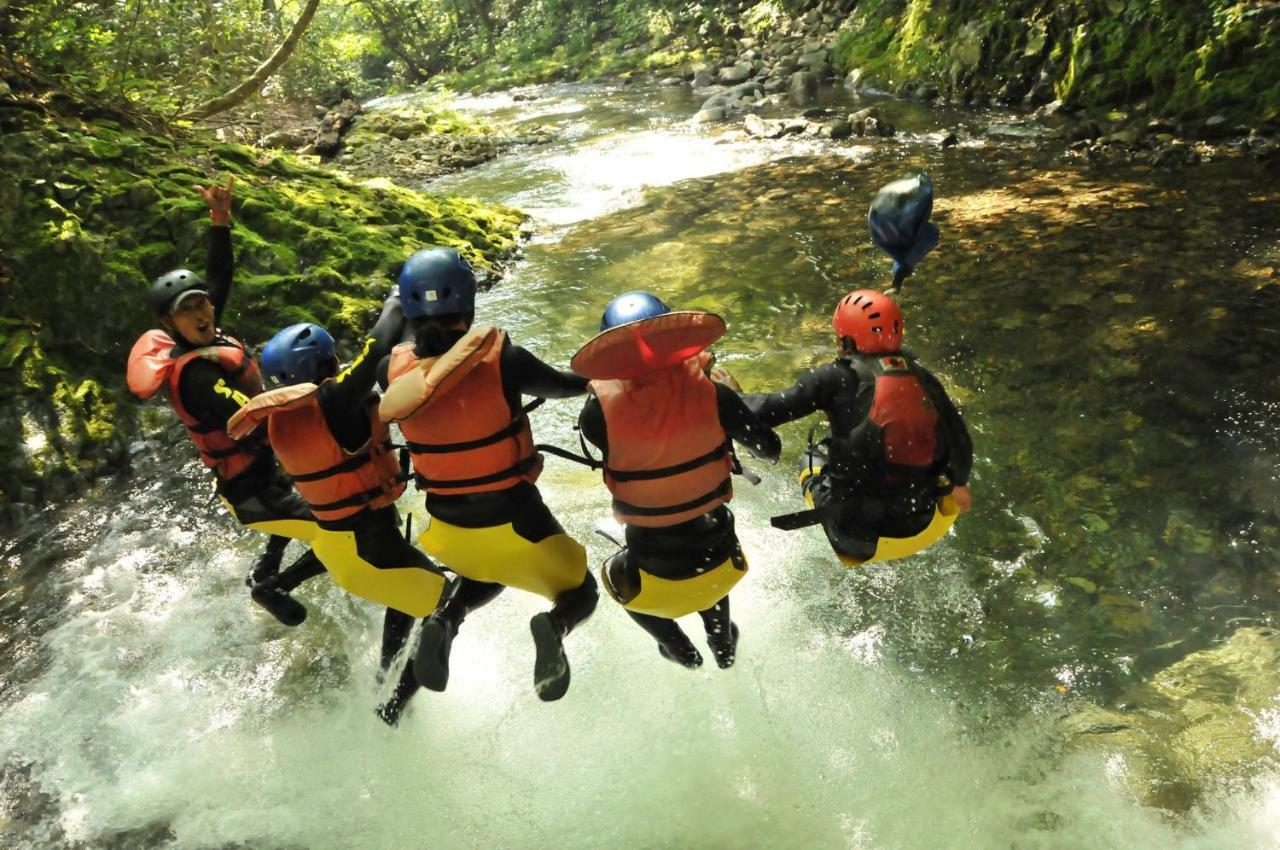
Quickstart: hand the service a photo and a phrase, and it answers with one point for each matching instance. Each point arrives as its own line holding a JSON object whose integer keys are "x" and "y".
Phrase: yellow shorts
{"x": 671, "y": 598}
{"x": 498, "y": 554}
{"x": 412, "y": 588}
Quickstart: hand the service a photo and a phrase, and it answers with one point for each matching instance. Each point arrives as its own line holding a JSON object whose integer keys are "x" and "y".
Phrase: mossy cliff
{"x": 93, "y": 205}
{"x": 1193, "y": 58}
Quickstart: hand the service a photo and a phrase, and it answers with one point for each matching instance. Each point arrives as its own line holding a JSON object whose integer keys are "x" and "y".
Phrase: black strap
{"x": 635, "y": 510}
{"x": 803, "y": 519}
{"x": 351, "y": 463}
{"x": 446, "y": 448}
{"x": 201, "y": 428}
{"x": 219, "y": 454}
{"x": 351, "y": 501}
{"x": 458, "y": 483}
{"x": 534, "y": 405}
{"x": 668, "y": 471}
{"x": 585, "y": 460}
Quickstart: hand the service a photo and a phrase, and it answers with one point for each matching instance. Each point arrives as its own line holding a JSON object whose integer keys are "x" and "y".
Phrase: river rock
{"x": 774, "y": 84}
{"x": 762, "y": 129}
{"x": 803, "y": 87}
{"x": 709, "y": 116}
{"x": 1194, "y": 725}
{"x": 948, "y": 140}
{"x": 736, "y": 74}
{"x": 702, "y": 79}
{"x": 287, "y": 139}
{"x": 5, "y": 91}
{"x": 838, "y": 129}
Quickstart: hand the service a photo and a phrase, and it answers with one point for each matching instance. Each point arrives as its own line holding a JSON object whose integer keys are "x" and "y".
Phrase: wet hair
{"x": 434, "y": 335}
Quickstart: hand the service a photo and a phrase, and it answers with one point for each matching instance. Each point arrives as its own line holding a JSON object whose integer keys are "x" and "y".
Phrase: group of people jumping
{"x": 301, "y": 448}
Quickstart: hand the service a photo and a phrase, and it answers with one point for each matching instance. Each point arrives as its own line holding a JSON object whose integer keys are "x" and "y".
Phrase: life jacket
{"x": 336, "y": 483}
{"x": 155, "y": 362}
{"x": 455, "y": 417}
{"x": 669, "y": 458}
{"x": 898, "y": 439}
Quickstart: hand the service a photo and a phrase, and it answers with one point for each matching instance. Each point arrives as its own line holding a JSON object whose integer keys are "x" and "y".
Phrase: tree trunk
{"x": 246, "y": 89}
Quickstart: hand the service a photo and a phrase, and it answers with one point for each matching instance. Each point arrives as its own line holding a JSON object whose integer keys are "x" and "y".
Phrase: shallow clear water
{"x": 1103, "y": 335}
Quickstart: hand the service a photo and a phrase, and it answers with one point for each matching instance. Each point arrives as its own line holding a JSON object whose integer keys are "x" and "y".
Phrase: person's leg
{"x": 396, "y": 626}
{"x": 722, "y": 633}
{"x": 673, "y": 643}
{"x": 431, "y": 661}
{"x": 551, "y": 666}
{"x": 265, "y": 584}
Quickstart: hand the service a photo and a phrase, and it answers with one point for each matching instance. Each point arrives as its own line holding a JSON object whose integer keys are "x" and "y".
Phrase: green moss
{"x": 1190, "y": 59}
{"x": 105, "y": 208}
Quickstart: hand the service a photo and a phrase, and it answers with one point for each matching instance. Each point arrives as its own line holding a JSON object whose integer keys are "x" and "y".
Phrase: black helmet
{"x": 165, "y": 289}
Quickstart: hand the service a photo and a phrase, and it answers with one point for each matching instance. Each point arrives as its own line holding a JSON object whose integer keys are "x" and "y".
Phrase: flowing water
{"x": 1110, "y": 336}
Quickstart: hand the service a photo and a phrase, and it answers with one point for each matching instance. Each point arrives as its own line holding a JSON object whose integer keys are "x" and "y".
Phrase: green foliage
{"x": 1185, "y": 58}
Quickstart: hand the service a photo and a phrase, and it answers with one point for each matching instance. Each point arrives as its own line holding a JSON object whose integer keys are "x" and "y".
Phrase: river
{"x": 1109, "y": 335}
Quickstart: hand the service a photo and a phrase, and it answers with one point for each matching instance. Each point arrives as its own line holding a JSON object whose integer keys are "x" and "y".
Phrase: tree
{"x": 254, "y": 82}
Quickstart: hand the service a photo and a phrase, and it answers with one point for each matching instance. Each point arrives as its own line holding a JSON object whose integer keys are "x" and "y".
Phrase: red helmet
{"x": 871, "y": 319}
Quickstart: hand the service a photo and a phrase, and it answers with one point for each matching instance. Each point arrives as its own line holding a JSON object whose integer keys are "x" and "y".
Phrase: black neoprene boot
{"x": 684, "y": 653}
{"x": 431, "y": 661}
{"x": 724, "y": 646}
{"x": 551, "y": 667}
{"x": 280, "y": 605}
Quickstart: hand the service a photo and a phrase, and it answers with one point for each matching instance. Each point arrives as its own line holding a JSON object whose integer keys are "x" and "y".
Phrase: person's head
{"x": 182, "y": 305}
{"x": 301, "y": 353}
{"x": 868, "y": 322}
{"x": 435, "y": 283}
{"x": 632, "y": 307}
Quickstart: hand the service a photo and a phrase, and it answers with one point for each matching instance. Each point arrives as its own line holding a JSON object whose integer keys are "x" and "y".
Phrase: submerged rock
{"x": 1194, "y": 724}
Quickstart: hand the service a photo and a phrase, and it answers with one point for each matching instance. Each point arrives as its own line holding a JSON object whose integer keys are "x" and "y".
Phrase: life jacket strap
{"x": 446, "y": 448}
{"x": 459, "y": 483}
{"x": 668, "y": 471}
{"x": 635, "y": 510}
{"x": 351, "y": 501}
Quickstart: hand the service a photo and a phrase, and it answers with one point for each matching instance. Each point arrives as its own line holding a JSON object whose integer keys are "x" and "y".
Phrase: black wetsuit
{"x": 344, "y": 404}
{"x": 523, "y": 374}
{"x": 688, "y": 548}
{"x": 864, "y": 503}
{"x": 262, "y": 492}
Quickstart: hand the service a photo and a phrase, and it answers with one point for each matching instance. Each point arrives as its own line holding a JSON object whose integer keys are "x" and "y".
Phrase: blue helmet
{"x": 632, "y": 307}
{"x": 899, "y": 221}
{"x": 297, "y": 354}
{"x": 437, "y": 282}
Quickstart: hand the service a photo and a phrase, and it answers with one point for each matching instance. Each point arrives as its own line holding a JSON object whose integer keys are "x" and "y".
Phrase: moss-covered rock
{"x": 420, "y": 139}
{"x": 1188, "y": 59}
{"x": 90, "y": 211}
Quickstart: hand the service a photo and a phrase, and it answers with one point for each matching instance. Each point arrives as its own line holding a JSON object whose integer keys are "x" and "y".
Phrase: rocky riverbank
{"x": 875, "y": 47}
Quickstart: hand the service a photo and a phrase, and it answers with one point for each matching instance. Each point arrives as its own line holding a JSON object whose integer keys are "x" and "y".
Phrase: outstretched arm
{"x": 352, "y": 385}
{"x": 811, "y": 393}
{"x": 744, "y": 427}
{"x": 221, "y": 263}
{"x": 523, "y": 372}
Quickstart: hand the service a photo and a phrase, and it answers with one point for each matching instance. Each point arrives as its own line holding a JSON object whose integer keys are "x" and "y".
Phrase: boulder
{"x": 803, "y": 87}
{"x": 839, "y": 129}
{"x": 735, "y": 74}
{"x": 285, "y": 139}
{"x": 709, "y": 116}
{"x": 702, "y": 79}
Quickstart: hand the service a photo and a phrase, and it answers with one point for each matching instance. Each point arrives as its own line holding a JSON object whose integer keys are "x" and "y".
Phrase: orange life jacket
{"x": 669, "y": 459}
{"x": 459, "y": 429}
{"x": 336, "y": 483}
{"x": 154, "y": 363}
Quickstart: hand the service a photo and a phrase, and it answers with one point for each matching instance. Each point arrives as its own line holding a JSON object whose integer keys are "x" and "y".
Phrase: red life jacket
{"x": 336, "y": 483}
{"x": 456, "y": 420}
{"x": 901, "y": 427}
{"x": 669, "y": 458}
{"x": 153, "y": 363}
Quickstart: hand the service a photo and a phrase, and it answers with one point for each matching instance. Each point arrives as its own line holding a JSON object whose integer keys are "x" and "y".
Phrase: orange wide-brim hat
{"x": 630, "y": 350}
